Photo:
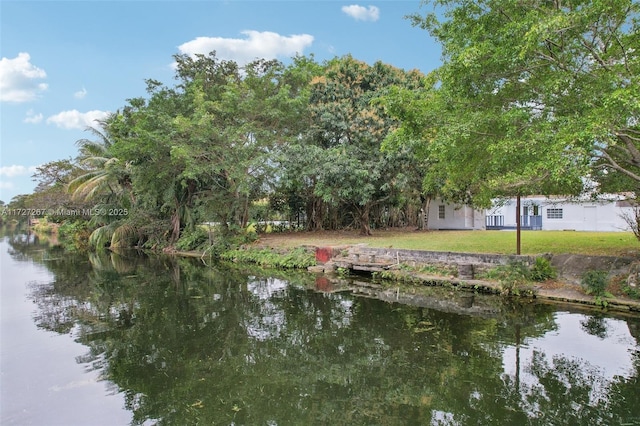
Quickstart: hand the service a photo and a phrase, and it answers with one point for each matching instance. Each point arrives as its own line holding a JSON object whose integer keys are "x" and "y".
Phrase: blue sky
{"x": 66, "y": 63}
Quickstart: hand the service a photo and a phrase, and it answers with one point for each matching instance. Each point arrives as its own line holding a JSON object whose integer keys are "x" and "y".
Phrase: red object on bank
{"x": 323, "y": 254}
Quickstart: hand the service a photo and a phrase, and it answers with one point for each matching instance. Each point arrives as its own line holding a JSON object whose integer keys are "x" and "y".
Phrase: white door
{"x": 468, "y": 217}
{"x": 590, "y": 218}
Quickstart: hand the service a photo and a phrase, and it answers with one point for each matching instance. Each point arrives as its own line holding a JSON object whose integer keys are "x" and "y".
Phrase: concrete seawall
{"x": 570, "y": 267}
{"x": 566, "y": 289}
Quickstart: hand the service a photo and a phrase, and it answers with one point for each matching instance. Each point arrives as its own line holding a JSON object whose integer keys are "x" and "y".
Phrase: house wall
{"x": 588, "y": 217}
{"x": 585, "y": 215}
{"x": 455, "y": 217}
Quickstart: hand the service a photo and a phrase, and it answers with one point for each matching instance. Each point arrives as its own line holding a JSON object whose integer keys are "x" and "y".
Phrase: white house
{"x": 445, "y": 216}
{"x": 606, "y": 213}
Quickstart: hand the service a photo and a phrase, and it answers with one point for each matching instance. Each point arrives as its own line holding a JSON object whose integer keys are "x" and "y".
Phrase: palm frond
{"x": 87, "y": 186}
{"x": 124, "y": 236}
{"x": 101, "y": 236}
{"x": 122, "y": 264}
{"x": 100, "y": 260}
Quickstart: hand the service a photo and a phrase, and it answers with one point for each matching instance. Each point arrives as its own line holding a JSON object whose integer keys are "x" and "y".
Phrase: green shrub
{"x": 517, "y": 276}
{"x": 297, "y": 258}
{"x": 74, "y": 235}
{"x": 512, "y": 277}
{"x": 594, "y": 282}
{"x": 513, "y": 272}
{"x": 197, "y": 239}
{"x": 542, "y": 270}
{"x": 632, "y": 292}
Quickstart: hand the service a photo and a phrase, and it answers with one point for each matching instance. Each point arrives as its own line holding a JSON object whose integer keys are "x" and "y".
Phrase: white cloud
{"x": 19, "y": 79}
{"x": 266, "y": 44}
{"x": 16, "y": 170}
{"x": 32, "y": 117}
{"x": 80, "y": 94}
{"x": 361, "y": 13}
{"x": 75, "y": 119}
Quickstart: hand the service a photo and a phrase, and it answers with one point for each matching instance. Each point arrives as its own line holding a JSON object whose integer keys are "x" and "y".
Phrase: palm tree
{"x": 107, "y": 181}
{"x": 105, "y": 174}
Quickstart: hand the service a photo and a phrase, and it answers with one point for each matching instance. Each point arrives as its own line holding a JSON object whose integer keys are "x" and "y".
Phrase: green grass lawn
{"x": 503, "y": 242}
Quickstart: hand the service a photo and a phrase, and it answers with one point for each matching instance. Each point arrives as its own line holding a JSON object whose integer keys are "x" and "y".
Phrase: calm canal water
{"x": 116, "y": 340}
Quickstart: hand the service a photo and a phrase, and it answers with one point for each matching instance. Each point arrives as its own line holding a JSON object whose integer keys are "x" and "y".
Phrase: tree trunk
{"x": 175, "y": 226}
{"x": 245, "y": 213}
{"x": 315, "y": 215}
{"x": 237, "y": 214}
{"x": 424, "y": 213}
{"x": 364, "y": 220}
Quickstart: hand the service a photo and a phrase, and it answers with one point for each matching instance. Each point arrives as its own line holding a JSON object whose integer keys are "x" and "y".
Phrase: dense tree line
{"x": 531, "y": 98}
{"x": 230, "y": 145}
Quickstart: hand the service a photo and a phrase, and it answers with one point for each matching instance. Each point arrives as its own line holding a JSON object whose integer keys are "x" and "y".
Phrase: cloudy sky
{"x": 65, "y": 64}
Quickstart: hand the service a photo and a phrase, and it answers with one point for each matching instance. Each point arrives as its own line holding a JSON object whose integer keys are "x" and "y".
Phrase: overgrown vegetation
{"x": 343, "y": 272}
{"x": 396, "y": 276}
{"x": 74, "y": 235}
{"x": 542, "y": 270}
{"x": 517, "y": 277}
{"x": 625, "y": 284}
{"x": 514, "y": 278}
{"x": 294, "y": 259}
{"x": 196, "y": 239}
{"x": 595, "y": 283}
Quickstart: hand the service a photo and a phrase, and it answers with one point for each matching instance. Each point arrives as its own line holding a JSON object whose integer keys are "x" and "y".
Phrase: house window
{"x": 554, "y": 213}
{"x": 441, "y": 212}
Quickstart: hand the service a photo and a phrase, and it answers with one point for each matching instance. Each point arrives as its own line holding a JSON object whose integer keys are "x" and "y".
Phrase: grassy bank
{"x": 499, "y": 242}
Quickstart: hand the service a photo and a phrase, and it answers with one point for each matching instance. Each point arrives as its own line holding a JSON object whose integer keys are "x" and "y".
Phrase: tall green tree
{"x": 352, "y": 128}
{"x": 416, "y": 111}
{"x": 145, "y": 136}
{"x": 345, "y": 166}
{"x": 201, "y": 150}
{"x": 533, "y": 97}
{"x": 298, "y": 159}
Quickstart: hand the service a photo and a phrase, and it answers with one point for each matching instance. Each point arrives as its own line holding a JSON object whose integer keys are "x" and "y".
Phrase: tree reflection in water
{"x": 189, "y": 344}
